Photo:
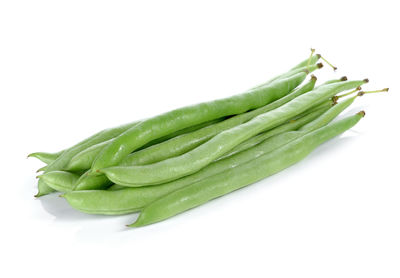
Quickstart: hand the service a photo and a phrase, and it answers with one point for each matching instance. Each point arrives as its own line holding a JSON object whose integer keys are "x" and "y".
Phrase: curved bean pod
{"x": 60, "y": 180}
{"x": 309, "y": 69}
{"x": 90, "y": 182}
{"x": 43, "y": 189}
{"x": 307, "y": 62}
{"x": 84, "y": 159}
{"x": 292, "y": 125}
{"x": 172, "y": 121}
{"x": 46, "y": 157}
{"x": 203, "y": 155}
{"x": 241, "y": 176}
{"x": 133, "y": 199}
{"x": 129, "y": 200}
{"x": 186, "y": 142}
{"x": 61, "y": 162}
{"x": 177, "y": 145}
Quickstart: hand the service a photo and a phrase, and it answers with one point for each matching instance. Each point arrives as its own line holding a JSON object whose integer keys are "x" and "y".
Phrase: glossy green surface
{"x": 203, "y": 155}
{"x": 46, "y": 157}
{"x": 61, "y": 181}
{"x": 232, "y": 179}
{"x": 172, "y": 121}
{"x": 62, "y": 161}
{"x": 130, "y": 200}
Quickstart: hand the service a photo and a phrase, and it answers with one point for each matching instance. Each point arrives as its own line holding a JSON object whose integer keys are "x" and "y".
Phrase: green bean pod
{"x": 43, "y": 188}
{"x": 232, "y": 179}
{"x": 177, "y": 145}
{"x": 309, "y": 69}
{"x": 185, "y": 142}
{"x": 42, "y": 169}
{"x": 89, "y": 182}
{"x": 61, "y": 162}
{"x": 307, "y": 62}
{"x": 84, "y": 159}
{"x": 203, "y": 155}
{"x": 172, "y": 121}
{"x": 341, "y": 79}
{"x": 133, "y": 199}
{"x": 180, "y": 132}
{"x": 299, "y": 68}
{"x": 292, "y": 125}
{"x": 46, "y": 157}
{"x": 182, "y": 144}
{"x": 60, "y": 180}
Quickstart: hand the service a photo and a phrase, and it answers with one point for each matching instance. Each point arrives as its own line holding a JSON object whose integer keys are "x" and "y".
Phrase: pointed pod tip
{"x": 313, "y": 77}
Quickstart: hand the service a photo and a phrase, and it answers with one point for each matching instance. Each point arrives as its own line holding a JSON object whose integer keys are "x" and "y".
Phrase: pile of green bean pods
{"x": 167, "y": 164}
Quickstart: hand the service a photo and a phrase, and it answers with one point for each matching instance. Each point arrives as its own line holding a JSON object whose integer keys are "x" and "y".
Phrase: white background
{"x": 71, "y": 68}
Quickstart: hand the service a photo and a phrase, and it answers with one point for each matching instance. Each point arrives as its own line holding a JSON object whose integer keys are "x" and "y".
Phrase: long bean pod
{"x": 46, "y": 157}
{"x": 61, "y": 162}
{"x": 182, "y": 144}
{"x": 133, "y": 199}
{"x": 172, "y": 121}
{"x": 84, "y": 159}
{"x": 241, "y": 176}
{"x": 186, "y": 142}
{"x": 60, "y": 180}
{"x": 201, "y": 156}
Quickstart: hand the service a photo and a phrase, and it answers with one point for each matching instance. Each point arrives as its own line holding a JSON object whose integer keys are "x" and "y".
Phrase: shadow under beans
{"x": 61, "y": 210}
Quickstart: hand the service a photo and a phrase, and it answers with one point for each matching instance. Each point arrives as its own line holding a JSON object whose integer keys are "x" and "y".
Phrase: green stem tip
{"x": 326, "y": 61}
{"x": 361, "y": 93}
{"x": 346, "y": 94}
{"x": 362, "y": 113}
{"x": 311, "y": 54}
